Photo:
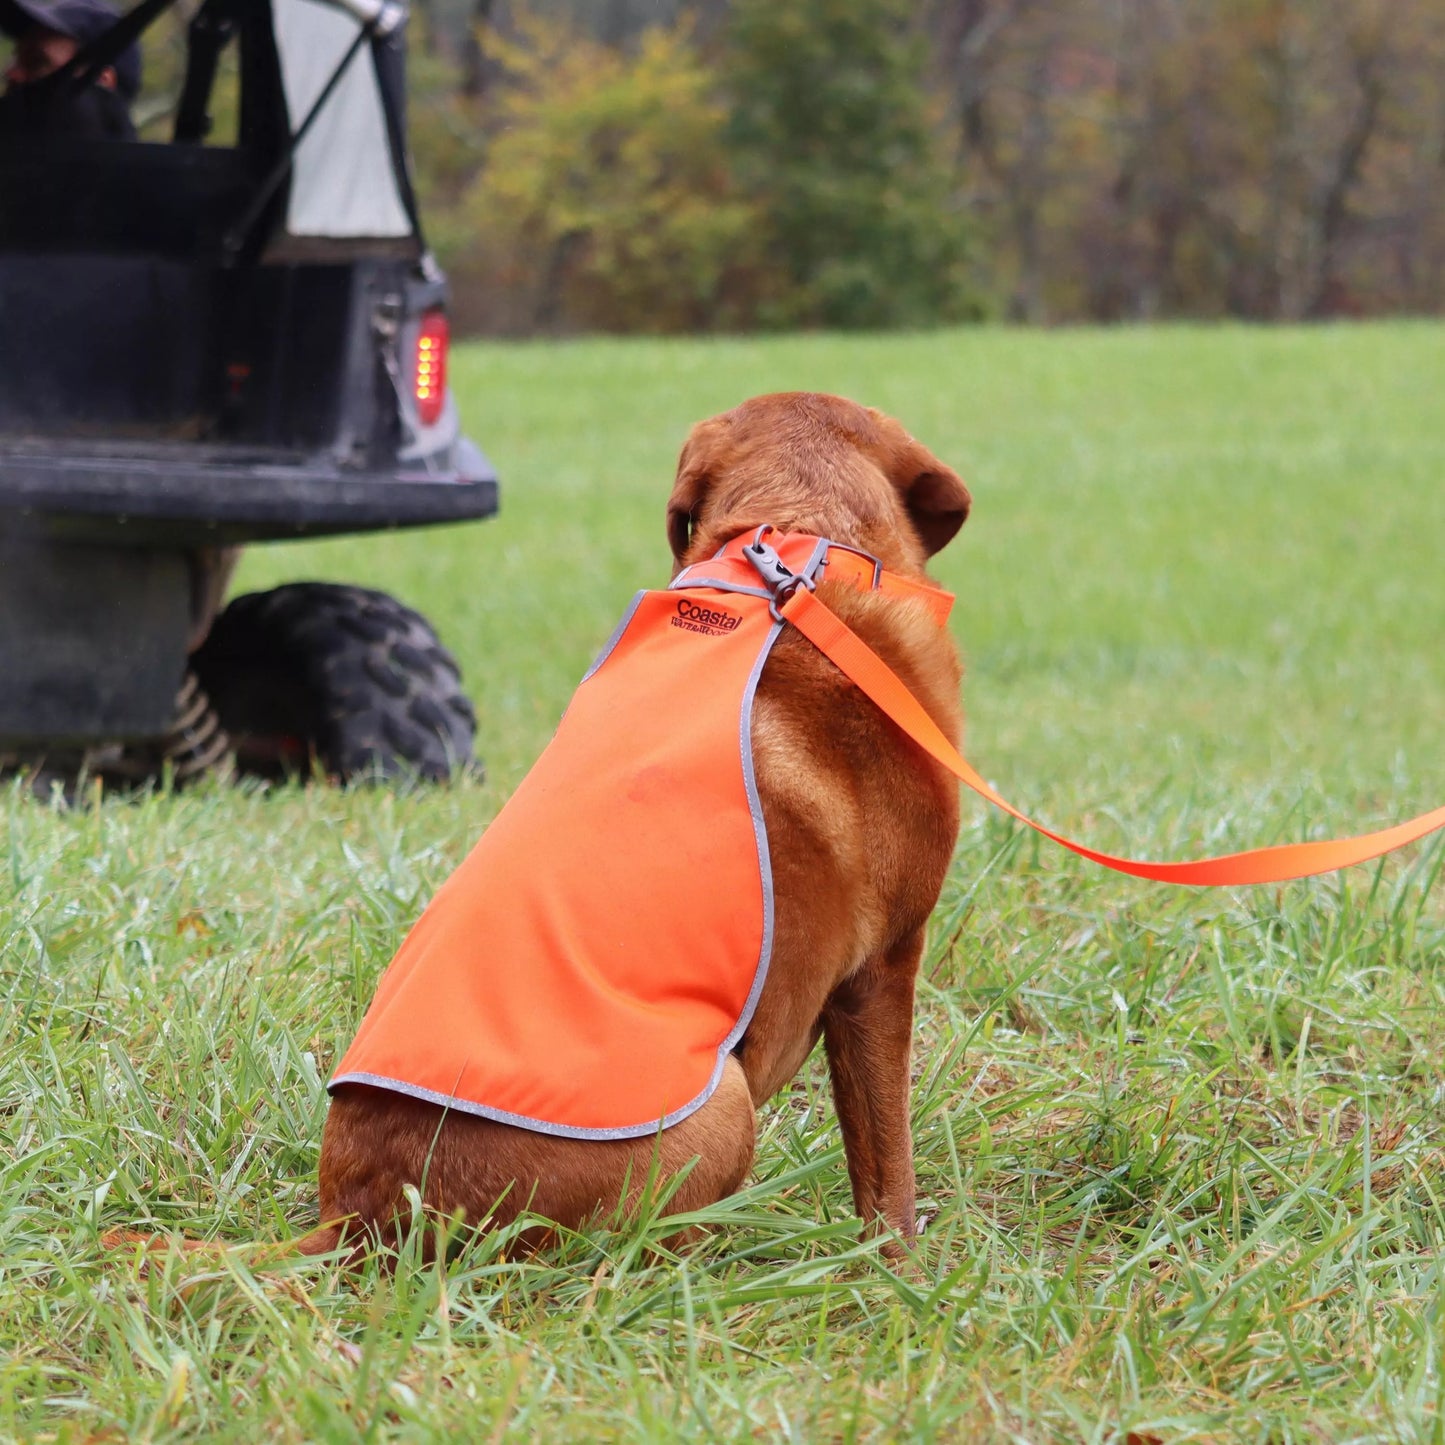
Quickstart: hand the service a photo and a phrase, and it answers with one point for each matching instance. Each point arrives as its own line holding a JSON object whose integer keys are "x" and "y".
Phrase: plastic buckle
{"x": 777, "y": 577}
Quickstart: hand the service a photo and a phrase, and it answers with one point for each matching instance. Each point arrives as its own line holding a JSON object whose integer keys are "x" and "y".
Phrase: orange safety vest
{"x": 595, "y": 958}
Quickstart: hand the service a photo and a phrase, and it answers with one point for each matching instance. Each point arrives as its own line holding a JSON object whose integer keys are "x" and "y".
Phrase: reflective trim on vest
{"x": 593, "y": 961}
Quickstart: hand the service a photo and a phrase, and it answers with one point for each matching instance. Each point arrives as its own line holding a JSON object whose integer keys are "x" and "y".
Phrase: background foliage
{"x": 715, "y": 165}
{"x": 829, "y": 129}
{"x": 901, "y": 164}
{"x": 607, "y": 200}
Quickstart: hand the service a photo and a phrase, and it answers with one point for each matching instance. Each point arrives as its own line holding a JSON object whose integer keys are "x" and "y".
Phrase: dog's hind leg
{"x": 720, "y": 1136}
{"x": 377, "y": 1143}
{"x": 575, "y": 1181}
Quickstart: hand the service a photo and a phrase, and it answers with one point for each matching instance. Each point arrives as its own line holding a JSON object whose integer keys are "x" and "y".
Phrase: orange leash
{"x": 856, "y": 660}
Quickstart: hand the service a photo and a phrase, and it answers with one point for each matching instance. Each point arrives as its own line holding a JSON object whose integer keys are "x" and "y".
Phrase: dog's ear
{"x": 701, "y": 454}
{"x": 934, "y": 494}
{"x": 937, "y": 503}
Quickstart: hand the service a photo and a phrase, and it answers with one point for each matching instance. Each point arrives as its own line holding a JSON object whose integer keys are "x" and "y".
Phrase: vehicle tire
{"x": 315, "y": 673}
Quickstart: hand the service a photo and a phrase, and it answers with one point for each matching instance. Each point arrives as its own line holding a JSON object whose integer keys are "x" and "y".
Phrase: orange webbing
{"x": 859, "y": 570}
{"x": 853, "y": 657}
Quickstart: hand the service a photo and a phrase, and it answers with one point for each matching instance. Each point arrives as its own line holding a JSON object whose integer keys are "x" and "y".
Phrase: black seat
{"x": 121, "y": 196}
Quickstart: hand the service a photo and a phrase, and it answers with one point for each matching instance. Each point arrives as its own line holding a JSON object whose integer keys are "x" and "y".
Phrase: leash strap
{"x": 857, "y": 661}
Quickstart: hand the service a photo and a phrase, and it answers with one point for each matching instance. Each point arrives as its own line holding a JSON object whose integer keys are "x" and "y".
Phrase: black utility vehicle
{"x": 235, "y": 335}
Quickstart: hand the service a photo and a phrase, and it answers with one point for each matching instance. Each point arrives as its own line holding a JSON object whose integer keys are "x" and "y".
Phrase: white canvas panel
{"x": 342, "y": 181}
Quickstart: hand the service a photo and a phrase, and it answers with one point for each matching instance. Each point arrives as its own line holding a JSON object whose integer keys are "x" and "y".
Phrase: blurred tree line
{"x": 681, "y": 167}
{"x": 667, "y": 165}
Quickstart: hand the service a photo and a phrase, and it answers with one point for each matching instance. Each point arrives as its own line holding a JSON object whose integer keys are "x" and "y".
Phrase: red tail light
{"x": 431, "y": 366}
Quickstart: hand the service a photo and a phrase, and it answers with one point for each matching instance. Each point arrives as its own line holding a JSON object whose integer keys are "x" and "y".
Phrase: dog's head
{"x": 807, "y": 462}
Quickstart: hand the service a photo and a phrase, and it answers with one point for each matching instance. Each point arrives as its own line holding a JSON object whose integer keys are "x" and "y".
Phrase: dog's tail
{"x": 326, "y": 1239}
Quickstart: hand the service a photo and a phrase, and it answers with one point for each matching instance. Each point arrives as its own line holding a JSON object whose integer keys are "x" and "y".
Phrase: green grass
{"x": 1180, "y": 1152}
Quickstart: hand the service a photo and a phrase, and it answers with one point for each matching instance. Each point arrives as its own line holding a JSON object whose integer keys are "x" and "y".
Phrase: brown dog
{"x": 862, "y": 826}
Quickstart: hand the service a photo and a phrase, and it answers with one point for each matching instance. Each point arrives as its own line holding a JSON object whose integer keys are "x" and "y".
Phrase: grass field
{"x": 1180, "y": 1153}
